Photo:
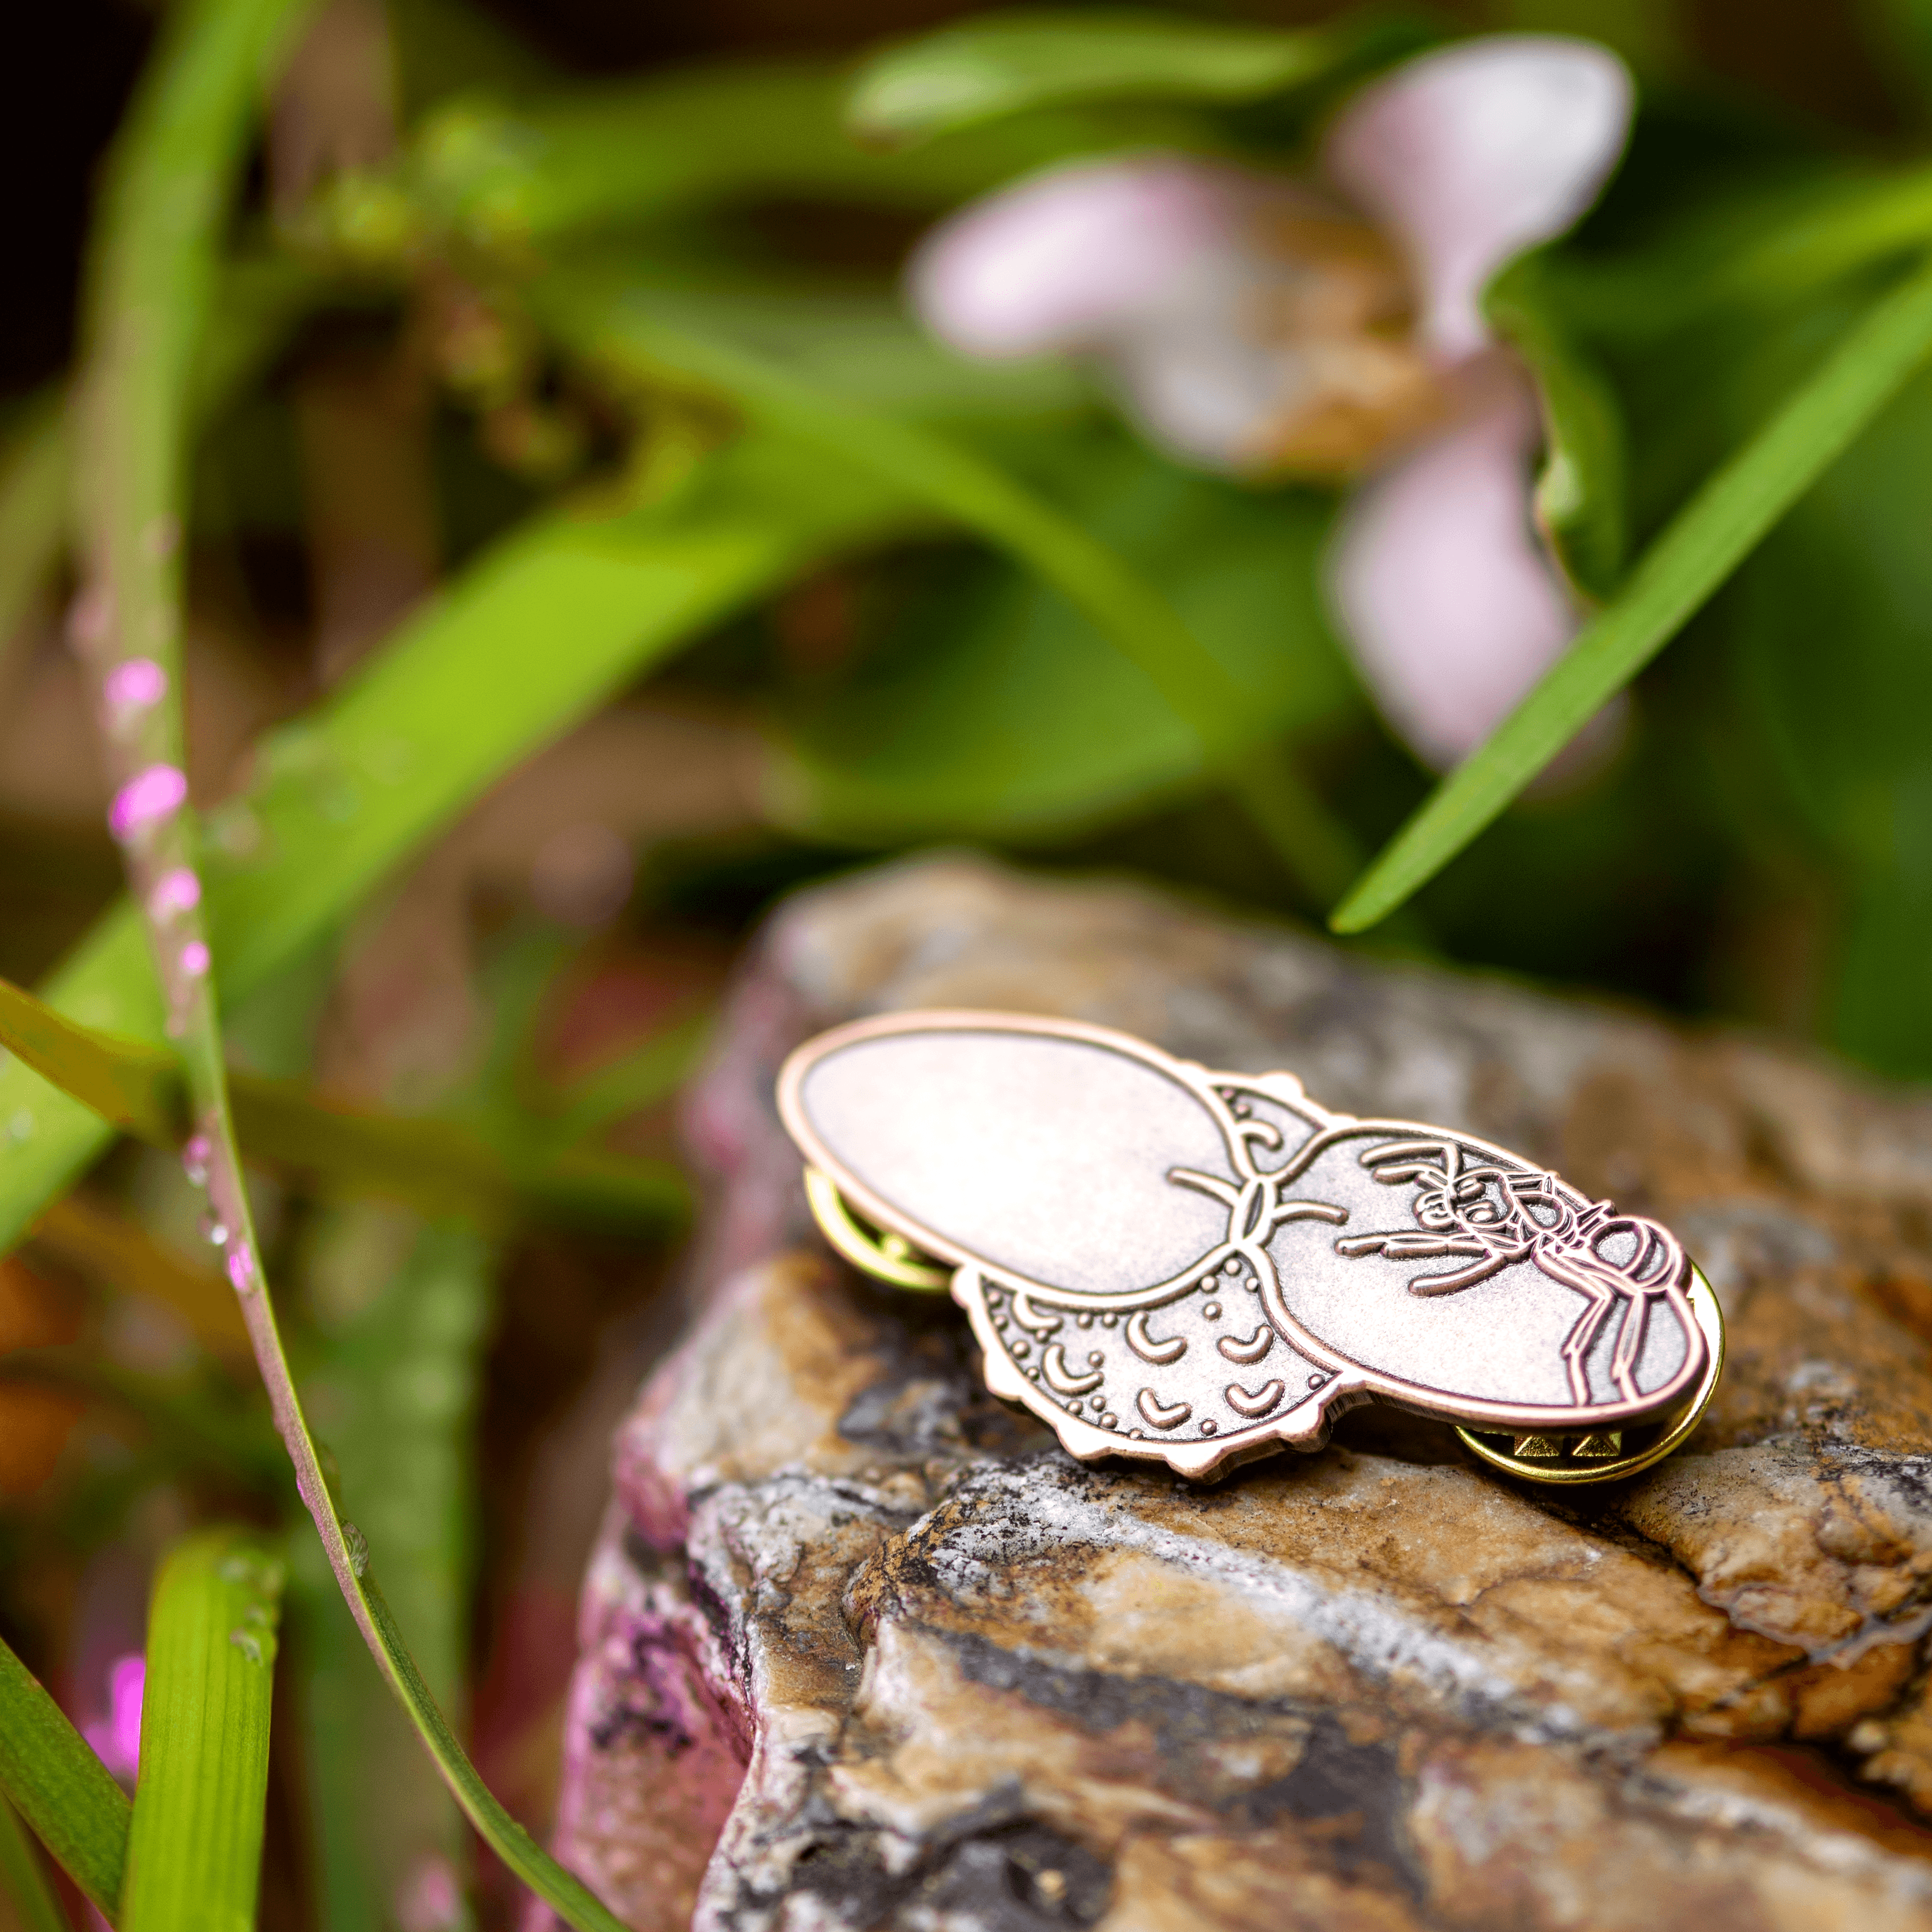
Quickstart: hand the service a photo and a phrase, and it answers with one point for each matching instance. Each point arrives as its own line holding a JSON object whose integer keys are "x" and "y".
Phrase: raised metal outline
{"x": 1710, "y": 1314}
{"x": 1305, "y": 1425}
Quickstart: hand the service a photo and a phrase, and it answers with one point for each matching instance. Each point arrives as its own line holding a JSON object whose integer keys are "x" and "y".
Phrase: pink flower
{"x": 117, "y": 1742}
{"x": 1253, "y": 324}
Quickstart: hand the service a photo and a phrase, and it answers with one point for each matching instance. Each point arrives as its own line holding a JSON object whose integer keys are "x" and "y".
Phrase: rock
{"x": 861, "y": 1649}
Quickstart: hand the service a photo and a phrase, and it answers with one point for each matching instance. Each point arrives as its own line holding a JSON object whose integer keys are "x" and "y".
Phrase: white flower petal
{"x": 1475, "y": 153}
{"x": 1453, "y": 609}
{"x": 1066, "y": 258}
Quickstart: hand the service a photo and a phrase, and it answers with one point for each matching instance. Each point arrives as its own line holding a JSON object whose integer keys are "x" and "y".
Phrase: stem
{"x": 174, "y": 171}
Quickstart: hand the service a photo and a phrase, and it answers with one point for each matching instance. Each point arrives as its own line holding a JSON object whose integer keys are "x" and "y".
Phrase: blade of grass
{"x": 620, "y": 330}
{"x": 172, "y": 175}
{"x": 194, "y": 1843}
{"x": 63, "y": 1791}
{"x": 1702, "y": 544}
{"x": 650, "y": 1072}
{"x": 434, "y": 1165}
{"x": 23, "y": 1881}
{"x": 980, "y": 69}
{"x": 260, "y": 301}
{"x": 386, "y": 1287}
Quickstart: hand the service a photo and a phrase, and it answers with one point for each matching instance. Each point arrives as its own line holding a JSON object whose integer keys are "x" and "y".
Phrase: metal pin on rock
{"x": 1196, "y": 1268}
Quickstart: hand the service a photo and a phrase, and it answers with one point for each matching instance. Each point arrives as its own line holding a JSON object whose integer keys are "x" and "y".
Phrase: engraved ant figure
{"x": 1495, "y": 1216}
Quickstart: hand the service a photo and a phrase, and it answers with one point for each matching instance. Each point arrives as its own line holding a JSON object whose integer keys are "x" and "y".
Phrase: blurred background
{"x": 571, "y": 349}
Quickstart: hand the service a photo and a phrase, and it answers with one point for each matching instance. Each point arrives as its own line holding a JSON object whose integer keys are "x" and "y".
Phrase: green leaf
{"x": 1579, "y": 499}
{"x": 428, "y": 1163}
{"x": 194, "y": 1845}
{"x": 401, "y": 1309}
{"x": 981, "y": 69}
{"x": 348, "y": 792}
{"x": 994, "y": 708}
{"x": 258, "y": 302}
{"x": 649, "y": 1072}
{"x": 636, "y": 151}
{"x": 1704, "y": 543}
{"x": 23, "y": 1883}
{"x": 612, "y": 323}
{"x": 58, "y": 1785}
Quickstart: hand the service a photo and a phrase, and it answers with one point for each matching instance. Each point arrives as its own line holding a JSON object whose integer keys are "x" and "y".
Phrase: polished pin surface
{"x": 1164, "y": 1261}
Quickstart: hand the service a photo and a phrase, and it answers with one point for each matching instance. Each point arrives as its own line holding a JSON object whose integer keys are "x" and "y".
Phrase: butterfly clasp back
{"x": 1163, "y": 1261}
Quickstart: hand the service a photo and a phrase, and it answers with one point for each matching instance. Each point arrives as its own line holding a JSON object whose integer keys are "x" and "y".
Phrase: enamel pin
{"x": 1196, "y": 1267}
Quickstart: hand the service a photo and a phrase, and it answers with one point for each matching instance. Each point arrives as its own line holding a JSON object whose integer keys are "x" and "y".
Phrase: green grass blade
{"x": 385, "y": 1289}
{"x": 1579, "y": 499}
{"x": 136, "y": 1086}
{"x": 22, "y": 1881}
{"x": 194, "y": 1845}
{"x": 171, "y": 179}
{"x": 980, "y": 69}
{"x": 349, "y": 790}
{"x": 622, "y": 331}
{"x": 1706, "y": 541}
{"x": 434, "y": 1165}
{"x": 63, "y": 1791}
{"x": 649, "y": 1073}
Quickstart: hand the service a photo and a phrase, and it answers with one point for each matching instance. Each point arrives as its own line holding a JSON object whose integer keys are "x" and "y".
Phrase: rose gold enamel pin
{"x": 1163, "y": 1262}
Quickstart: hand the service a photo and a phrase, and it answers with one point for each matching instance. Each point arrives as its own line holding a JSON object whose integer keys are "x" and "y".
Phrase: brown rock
{"x": 861, "y": 1648}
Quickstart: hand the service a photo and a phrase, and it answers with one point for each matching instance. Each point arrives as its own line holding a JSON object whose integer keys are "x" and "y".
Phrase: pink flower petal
{"x": 148, "y": 795}
{"x": 1065, "y": 258}
{"x": 1452, "y": 607}
{"x": 127, "y": 1683}
{"x": 116, "y": 1740}
{"x": 1475, "y": 153}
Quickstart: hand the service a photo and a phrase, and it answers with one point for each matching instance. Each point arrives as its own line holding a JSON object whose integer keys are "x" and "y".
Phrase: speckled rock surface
{"x": 862, "y": 1649}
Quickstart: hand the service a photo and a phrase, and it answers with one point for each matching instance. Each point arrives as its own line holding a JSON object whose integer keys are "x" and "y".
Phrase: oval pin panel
{"x": 1164, "y": 1261}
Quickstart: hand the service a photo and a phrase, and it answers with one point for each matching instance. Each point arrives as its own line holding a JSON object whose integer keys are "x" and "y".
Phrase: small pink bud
{"x": 194, "y": 959}
{"x": 178, "y": 890}
{"x": 117, "y": 1742}
{"x": 242, "y": 1269}
{"x": 147, "y": 795}
{"x": 136, "y": 684}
